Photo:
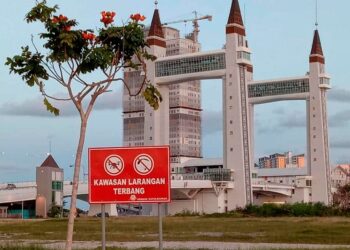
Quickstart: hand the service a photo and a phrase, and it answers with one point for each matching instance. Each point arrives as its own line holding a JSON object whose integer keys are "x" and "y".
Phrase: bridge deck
{"x": 29, "y": 192}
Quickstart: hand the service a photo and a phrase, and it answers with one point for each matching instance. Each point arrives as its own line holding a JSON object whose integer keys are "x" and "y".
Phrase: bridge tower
{"x": 156, "y": 126}
{"x": 318, "y": 146}
{"x": 237, "y": 147}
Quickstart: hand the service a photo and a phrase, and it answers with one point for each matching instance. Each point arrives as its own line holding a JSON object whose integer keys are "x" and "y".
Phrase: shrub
{"x": 187, "y": 212}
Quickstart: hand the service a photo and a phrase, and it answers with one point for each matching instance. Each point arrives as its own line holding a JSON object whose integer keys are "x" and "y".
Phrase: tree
{"x": 341, "y": 198}
{"x": 70, "y": 56}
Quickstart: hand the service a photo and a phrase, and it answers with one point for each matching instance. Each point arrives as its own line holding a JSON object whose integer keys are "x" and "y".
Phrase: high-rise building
{"x": 184, "y": 105}
{"x": 286, "y": 160}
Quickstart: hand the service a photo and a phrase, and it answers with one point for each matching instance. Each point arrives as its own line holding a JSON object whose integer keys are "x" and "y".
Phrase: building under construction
{"x": 184, "y": 101}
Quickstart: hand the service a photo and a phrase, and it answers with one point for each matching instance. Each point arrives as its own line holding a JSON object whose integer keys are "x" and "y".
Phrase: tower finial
{"x": 155, "y": 33}
{"x": 316, "y": 22}
{"x": 156, "y": 4}
{"x": 235, "y": 16}
{"x": 235, "y": 21}
{"x": 316, "y": 54}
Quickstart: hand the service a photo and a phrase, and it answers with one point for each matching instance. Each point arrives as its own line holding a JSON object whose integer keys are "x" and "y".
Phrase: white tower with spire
{"x": 238, "y": 154}
{"x": 318, "y": 155}
{"x": 156, "y": 132}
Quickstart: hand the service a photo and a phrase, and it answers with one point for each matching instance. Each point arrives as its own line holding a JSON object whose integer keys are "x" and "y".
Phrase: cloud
{"x": 35, "y": 107}
{"x": 279, "y": 111}
{"x": 295, "y": 121}
{"x": 266, "y": 128}
{"x": 339, "y": 95}
{"x": 211, "y": 122}
{"x": 339, "y": 119}
{"x": 340, "y": 144}
{"x": 9, "y": 167}
{"x": 109, "y": 101}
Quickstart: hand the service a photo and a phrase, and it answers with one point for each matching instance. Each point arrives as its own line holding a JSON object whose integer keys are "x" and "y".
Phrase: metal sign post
{"x": 160, "y": 227}
{"x": 103, "y": 216}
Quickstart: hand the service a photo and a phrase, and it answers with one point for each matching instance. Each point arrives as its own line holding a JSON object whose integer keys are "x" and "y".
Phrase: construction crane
{"x": 194, "y": 34}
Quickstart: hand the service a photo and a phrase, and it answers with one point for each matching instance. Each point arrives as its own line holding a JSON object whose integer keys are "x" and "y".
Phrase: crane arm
{"x": 189, "y": 20}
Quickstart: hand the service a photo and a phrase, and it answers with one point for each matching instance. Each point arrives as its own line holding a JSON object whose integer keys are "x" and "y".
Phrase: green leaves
{"x": 63, "y": 44}
{"x": 40, "y": 12}
{"x": 152, "y": 96}
{"x": 127, "y": 40}
{"x": 51, "y": 108}
{"x": 29, "y": 66}
{"x": 95, "y": 58}
{"x": 70, "y": 53}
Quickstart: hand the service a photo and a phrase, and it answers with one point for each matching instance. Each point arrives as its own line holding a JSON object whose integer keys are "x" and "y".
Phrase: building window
{"x": 57, "y": 185}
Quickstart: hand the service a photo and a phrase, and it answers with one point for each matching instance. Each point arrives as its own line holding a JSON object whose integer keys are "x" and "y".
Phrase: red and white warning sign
{"x": 129, "y": 175}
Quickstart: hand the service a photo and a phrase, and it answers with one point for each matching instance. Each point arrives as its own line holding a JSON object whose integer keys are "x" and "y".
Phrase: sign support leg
{"x": 103, "y": 216}
{"x": 160, "y": 227}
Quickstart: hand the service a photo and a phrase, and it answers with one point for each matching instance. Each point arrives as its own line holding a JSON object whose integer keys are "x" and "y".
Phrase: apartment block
{"x": 184, "y": 105}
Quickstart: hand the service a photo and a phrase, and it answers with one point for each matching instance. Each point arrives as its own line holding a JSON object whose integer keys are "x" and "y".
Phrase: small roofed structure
{"x": 49, "y": 179}
{"x": 49, "y": 162}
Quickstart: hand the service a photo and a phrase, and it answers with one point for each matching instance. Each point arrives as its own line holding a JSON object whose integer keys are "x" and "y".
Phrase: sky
{"x": 280, "y": 35}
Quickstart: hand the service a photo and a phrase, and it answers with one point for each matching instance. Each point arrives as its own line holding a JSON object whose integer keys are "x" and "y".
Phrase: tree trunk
{"x": 73, "y": 207}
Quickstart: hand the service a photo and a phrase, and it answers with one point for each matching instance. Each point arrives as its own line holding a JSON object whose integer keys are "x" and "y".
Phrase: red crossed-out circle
{"x": 114, "y": 165}
{"x": 143, "y": 164}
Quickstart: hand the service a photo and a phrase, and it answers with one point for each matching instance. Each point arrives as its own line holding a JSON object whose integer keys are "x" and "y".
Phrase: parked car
{"x": 10, "y": 186}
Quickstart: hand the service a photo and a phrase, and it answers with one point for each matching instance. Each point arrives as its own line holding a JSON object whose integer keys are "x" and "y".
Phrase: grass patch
{"x": 312, "y": 230}
{"x": 10, "y": 247}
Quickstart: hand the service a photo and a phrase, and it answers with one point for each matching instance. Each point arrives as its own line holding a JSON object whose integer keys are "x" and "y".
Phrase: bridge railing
{"x": 207, "y": 174}
{"x": 278, "y": 87}
{"x": 193, "y": 63}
